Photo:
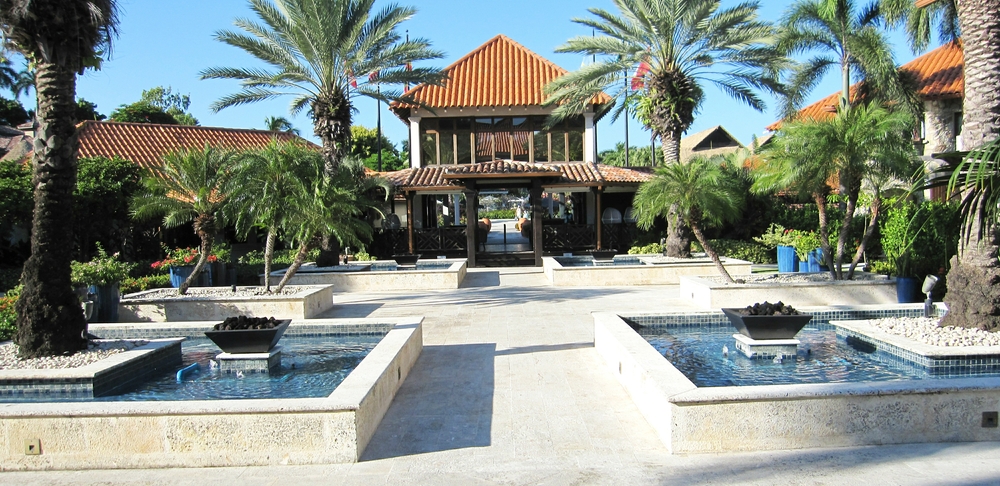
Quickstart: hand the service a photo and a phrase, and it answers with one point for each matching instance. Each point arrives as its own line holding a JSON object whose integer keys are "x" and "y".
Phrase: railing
{"x": 568, "y": 237}
{"x": 451, "y": 238}
{"x": 619, "y": 237}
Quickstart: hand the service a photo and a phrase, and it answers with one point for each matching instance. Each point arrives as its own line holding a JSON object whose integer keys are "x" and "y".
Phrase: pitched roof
{"x": 499, "y": 73}
{"x": 146, "y": 143}
{"x": 445, "y": 177}
{"x": 706, "y": 142}
{"x": 938, "y": 75}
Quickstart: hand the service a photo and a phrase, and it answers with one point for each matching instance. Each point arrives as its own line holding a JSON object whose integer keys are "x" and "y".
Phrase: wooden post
{"x": 536, "y": 221}
{"x": 409, "y": 222}
{"x": 598, "y": 222}
{"x": 471, "y": 224}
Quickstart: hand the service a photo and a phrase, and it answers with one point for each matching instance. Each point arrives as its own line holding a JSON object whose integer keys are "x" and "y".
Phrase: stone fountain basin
{"x": 767, "y": 327}
{"x": 240, "y": 341}
{"x": 299, "y": 302}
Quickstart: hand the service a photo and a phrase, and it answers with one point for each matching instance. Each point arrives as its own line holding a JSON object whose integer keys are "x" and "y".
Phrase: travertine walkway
{"x": 509, "y": 390}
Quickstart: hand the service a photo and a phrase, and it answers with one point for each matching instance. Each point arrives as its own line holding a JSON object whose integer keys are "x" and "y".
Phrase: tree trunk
{"x": 824, "y": 233}
{"x": 980, "y": 25}
{"x": 711, "y": 253}
{"x": 845, "y": 231}
{"x": 207, "y": 238}
{"x": 50, "y": 320}
{"x": 300, "y": 258}
{"x": 272, "y": 235}
{"x": 678, "y": 236}
{"x": 332, "y": 124}
{"x": 876, "y": 210}
{"x": 670, "y": 144}
{"x": 974, "y": 278}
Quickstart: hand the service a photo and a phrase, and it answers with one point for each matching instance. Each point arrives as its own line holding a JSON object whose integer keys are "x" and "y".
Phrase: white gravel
{"x": 97, "y": 350}
{"x": 213, "y": 292}
{"x": 927, "y": 331}
{"x": 784, "y": 278}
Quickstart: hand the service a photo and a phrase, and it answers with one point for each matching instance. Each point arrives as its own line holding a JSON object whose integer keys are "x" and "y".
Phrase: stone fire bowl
{"x": 248, "y": 340}
{"x": 767, "y": 327}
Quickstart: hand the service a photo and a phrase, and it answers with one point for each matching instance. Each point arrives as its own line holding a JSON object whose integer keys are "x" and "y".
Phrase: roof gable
{"x": 146, "y": 143}
{"x": 499, "y": 73}
{"x": 938, "y": 74}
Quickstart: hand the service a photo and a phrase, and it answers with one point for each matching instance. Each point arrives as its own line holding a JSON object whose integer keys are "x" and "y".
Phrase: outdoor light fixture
{"x": 929, "y": 284}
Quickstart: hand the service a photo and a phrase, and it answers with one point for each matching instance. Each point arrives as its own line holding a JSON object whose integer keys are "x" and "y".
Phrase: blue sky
{"x": 168, "y": 43}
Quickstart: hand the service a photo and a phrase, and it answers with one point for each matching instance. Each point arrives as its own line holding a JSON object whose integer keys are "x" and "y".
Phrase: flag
{"x": 372, "y": 76}
{"x": 637, "y": 81}
{"x": 354, "y": 81}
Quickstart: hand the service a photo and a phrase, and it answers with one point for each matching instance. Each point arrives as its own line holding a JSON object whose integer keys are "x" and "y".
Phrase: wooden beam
{"x": 536, "y": 221}
{"x": 471, "y": 225}
{"x": 409, "y": 222}
{"x": 600, "y": 224}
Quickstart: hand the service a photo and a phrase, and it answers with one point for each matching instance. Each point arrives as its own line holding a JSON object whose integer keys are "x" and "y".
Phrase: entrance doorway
{"x": 506, "y": 239}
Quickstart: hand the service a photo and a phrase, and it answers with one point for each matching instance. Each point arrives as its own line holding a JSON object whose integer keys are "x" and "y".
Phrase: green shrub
{"x": 132, "y": 285}
{"x": 775, "y": 236}
{"x": 8, "y": 318}
{"x": 919, "y": 239}
{"x": 646, "y": 249}
{"x": 741, "y": 250}
{"x": 363, "y": 256}
{"x": 498, "y": 214}
{"x": 104, "y": 269}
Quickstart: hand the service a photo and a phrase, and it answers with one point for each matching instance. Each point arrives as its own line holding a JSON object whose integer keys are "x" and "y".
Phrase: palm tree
{"x": 60, "y": 38}
{"x": 919, "y": 20}
{"x": 331, "y": 205}
{"x": 189, "y": 187}
{"x": 700, "y": 193}
{"x": 972, "y": 298}
{"x": 841, "y": 35}
{"x": 682, "y": 45}
{"x": 861, "y": 142}
{"x": 326, "y": 53}
{"x": 262, "y": 183}
{"x": 280, "y": 124}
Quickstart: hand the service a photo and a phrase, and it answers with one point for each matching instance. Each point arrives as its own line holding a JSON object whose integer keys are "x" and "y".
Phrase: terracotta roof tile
{"x": 146, "y": 143}
{"x": 442, "y": 177}
{"x": 938, "y": 75}
{"x": 501, "y": 72}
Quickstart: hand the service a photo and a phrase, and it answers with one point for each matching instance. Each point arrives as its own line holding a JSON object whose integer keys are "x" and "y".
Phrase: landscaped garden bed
{"x": 218, "y": 303}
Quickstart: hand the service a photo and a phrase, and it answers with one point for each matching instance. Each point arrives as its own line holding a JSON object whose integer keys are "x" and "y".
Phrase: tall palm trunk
{"x": 332, "y": 124}
{"x": 204, "y": 226}
{"x": 272, "y": 235}
{"x": 973, "y": 296}
{"x": 711, "y": 252}
{"x": 300, "y": 258}
{"x": 50, "y": 320}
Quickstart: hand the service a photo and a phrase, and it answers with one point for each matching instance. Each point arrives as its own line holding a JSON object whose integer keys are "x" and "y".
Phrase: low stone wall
{"x": 641, "y": 274}
{"x": 335, "y": 429}
{"x": 309, "y": 302}
{"x": 362, "y": 281}
{"x": 690, "y": 419}
{"x": 711, "y": 295}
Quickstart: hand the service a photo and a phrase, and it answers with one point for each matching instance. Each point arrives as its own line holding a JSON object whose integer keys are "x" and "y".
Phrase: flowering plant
{"x": 103, "y": 270}
{"x": 179, "y": 257}
{"x": 775, "y": 236}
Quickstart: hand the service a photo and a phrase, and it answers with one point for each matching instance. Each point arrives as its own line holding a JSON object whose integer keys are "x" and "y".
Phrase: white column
{"x": 415, "y": 142}
{"x": 589, "y": 141}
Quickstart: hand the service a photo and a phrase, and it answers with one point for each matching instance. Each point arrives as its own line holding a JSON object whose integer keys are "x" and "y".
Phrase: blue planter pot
{"x": 107, "y": 298}
{"x": 803, "y": 266}
{"x": 787, "y": 261}
{"x": 179, "y": 274}
{"x": 816, "y": 260}
{"x": 908, "y": 290}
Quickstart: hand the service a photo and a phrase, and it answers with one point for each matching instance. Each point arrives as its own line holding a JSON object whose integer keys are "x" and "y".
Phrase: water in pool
{"x": 697, "y": 351}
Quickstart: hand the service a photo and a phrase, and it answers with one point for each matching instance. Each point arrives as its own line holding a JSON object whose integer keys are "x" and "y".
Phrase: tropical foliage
{"x": 104, "y": 269}
{"x": 59, "y": 38}
{"x": 190, "y": 187}
{"x": 157, "y": 105}
{"x": 861, "y": 143}
{"x": 699, "y": 192}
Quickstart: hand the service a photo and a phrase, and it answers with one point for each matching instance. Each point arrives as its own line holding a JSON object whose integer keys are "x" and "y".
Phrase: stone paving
{"x": 509, "y": 390}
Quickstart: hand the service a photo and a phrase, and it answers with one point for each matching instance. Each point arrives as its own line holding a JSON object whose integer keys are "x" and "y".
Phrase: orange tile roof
{"x": 499, "y": 73}
{"x": 146, "y": 143}
{"x": 938, "y": 75}
{"x": 444, "y": 177}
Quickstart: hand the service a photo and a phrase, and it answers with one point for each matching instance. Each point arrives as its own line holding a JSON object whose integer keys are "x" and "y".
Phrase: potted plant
{"x": 102, "y": 275}
{"x": 783, "y": 241}
{"x": 180, "y": 263}
{"x": 917, "y": 240}
{"x": 806, "y": 243}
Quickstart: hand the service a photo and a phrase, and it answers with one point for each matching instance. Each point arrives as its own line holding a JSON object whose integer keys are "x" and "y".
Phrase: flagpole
{"x": 378, "y": 127}
{"x": 626, "y": 118}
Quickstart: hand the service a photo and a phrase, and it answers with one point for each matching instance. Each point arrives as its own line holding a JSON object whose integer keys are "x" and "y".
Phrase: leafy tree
{"x": 862, "y": 142}
{"x": 681, "y": 45}
{"x": 331, "y": 205}
{"x": 104, "y": 189}
{"x": 637, "y": 156}
{"x": 18, "y": 82}
{"x": 279, "y": 124}
{"x": 264, "y": 181}
{"x": 140, "y": 112}
{"x": 157, "y": 105}
{"x": 12, "y": 112}
{"x": 189, "y": 187}
{"x": 920, "y": 21}
{"x": 364, "y": 146}
{"x": 86, "y": 110}
{"x": 60, "y": 38}
{"x": 15, "y": 208}
{"x": 699, "y": 192}
{"x": 841, "y": 35}
{"x": 320, "y": 50}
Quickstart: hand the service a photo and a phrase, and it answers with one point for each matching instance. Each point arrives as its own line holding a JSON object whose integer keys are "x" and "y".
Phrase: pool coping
{"x": 639, "y": 274}
{"x": 692, "y": 419}
{"x": 205, "y": 433}
{"x": 308, "y": 302}
{"x": 709, "y": 294}
{"x": 418, "y": 279}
